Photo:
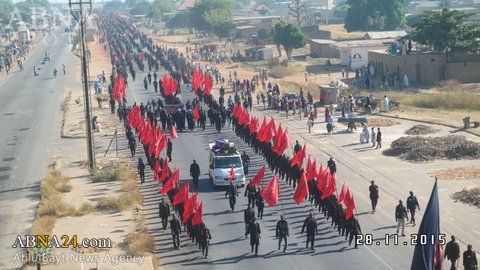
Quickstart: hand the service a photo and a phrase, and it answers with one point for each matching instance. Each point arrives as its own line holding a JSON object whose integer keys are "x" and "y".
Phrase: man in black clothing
{"x": 281, "y": 233}
{"x": 253, "y": 228}
{"x": 246, "y": 162}
{"x": 373, "y": 195}
{"x": 195, "y": 173}
{"x": 176, "y": 229}
{"x": 469, "y": 259}
{"x": 412, "y": 205}
{"x": 204, "y": 238}
{"x": 400, "y": 215}
{"x": 452, "y": 252}
{"x": 248, "y": 216}
{"x": 169, "y": 150}
{"x": 332, "y": 166}
{"x": 260, "y": 204}
{"x": 311, "y": 225}
{"x": 164, "y": 212}
{"x": 250, "y": 193}
{"x": 232, "y": 194}
{"x": 141, "y": 170}
{"x": 297, "y": 148}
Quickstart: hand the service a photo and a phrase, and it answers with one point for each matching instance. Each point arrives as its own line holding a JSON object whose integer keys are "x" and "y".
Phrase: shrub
{"x": 139, "y": 244}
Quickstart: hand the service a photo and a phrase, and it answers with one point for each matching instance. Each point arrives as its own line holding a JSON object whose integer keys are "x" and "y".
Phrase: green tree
{"x": 160, "y": 7}
{"x": 447, "y": 31}
{"x": 114, "y": 5}
{"x": 141, "y": 8}
{"x": 263, "y": 34}
{"x": 375, "y": 15}
{"x": 220, "y": 22}
{"x": 289, "y": 36}
{"x": 6, "y": 9}
{"x": 179, "y": 20}
{"x": 340, "y": 10}
{"x": 202, "y": 12}
{"x": 297, "y": 10}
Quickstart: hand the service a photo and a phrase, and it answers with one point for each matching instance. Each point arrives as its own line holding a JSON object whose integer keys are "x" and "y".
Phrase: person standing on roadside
{"x": 373, "y": 137}
{"x": 373, "y": 195}
{"x": 452, "y": 252}
{"x": 332, "y": 166}
{"x": 141, "y": 170}
{"x": 379, "y": 138}
{"x": 412, "y": 205}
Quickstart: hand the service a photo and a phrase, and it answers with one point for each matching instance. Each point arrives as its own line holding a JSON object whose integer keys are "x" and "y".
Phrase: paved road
{"x": 30, "y": 118}
{"x": 358, "y": 164}
{"x": 229, "y": 248}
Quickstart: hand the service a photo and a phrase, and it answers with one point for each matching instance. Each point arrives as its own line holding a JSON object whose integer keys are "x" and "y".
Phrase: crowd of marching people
{"x": 125, "y": 45}
{"x": 148, "y": 123}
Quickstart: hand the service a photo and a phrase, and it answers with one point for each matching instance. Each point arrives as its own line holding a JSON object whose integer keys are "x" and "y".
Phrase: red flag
{"x": 182, "y": 194}
{"x": 257, "y": 180}
{"x": 207, "y": 86}
{"x": 299, "y": 156}
{"x": 231, "y": 175}
{"x": 261, "y": 131}
{"x": 277, "y": 140}
{"x": 302, "y": 190}
{"x": 322, "y": 178}
{"x": 156, "y": 170}
{"x": 197, "y": 216}
{"x": 165, "y": 170}
{"x": 341, "y": 197}
{"x": 312, "y": 170}
{"x": 350, "y": 207}
{"x": 330, "y": 187}
{"x": 190, "y": 205}
{"x": 196, "y": 113}
{"x": 171, "y": 182}
{"x": 284, "y": 143}
{"x": 271, "y": 191}
{"x": 173, "y": 132}
{"x": 253, "y": 124}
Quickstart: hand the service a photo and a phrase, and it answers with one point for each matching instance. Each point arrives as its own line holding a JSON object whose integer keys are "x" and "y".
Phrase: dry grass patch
{"x": 111, "y": 174}
{"x": 139, "y": 244}
{"x": 43, "y": 225}
{"x": 280, "y": 71}
{"x": 120, "y": 203}
{"x": 468, "y": 196}
{"x": 51, "y": 189}
{"x": 85, "y": 208}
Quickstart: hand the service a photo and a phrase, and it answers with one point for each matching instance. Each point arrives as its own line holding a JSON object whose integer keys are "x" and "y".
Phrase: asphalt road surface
{"x": 29, "y": 133}
{"x": 229, "y": 249}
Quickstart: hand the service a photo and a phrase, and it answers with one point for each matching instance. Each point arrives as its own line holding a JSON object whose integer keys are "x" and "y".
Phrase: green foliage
{"x": 6, "y": 9}
{"x": 447, "y": 31}
{"x": 179, "y": 20}
{"x": 340, "y": 10}
{"x": 289, "y": 36}
{"x": 159, "y": 7}
{"x": 220, "y": 21}
{"x": 115, "y": 5}
{"x": 375, "y": 15}
{"x": 263, "y": 34}
{"x": 141, "y": 8}
{"x": 203, "y": 12}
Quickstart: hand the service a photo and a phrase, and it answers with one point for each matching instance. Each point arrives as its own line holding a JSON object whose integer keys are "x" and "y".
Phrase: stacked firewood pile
{"x": 423, "y": 149}
{"x": 420, "y": 130}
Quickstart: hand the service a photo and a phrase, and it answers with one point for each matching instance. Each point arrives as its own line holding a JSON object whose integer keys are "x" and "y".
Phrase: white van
{"x": 223, "y": 155}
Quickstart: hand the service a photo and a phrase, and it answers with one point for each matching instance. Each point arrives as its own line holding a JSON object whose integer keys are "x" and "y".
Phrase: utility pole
{"x": 80, "y": 11}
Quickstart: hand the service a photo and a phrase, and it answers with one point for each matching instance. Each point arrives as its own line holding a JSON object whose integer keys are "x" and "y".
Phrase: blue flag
{"x": 428, "y": 249}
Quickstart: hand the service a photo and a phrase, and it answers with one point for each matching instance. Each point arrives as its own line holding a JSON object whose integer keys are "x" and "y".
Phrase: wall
{"x": 323, "y": 50}
{"x": 424, "y": 68}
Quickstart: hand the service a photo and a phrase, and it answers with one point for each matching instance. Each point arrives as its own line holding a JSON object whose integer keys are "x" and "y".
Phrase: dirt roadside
{"x": 71, "y": 162}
